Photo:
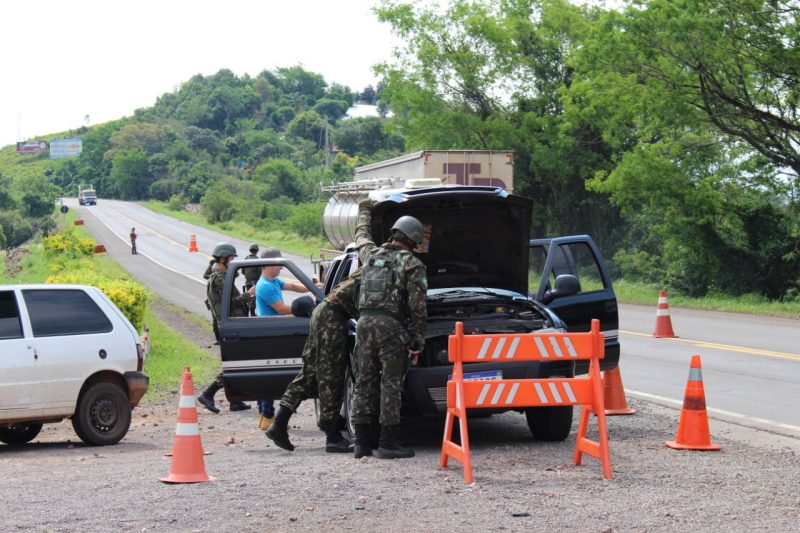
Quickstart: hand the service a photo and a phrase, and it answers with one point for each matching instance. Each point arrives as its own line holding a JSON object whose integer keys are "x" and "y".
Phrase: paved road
{"x": 751, "y": 365}
{"x": 163, "y": 263}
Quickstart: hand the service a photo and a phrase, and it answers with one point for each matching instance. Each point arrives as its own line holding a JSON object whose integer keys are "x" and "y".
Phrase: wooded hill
{"x": 667, "y": 130}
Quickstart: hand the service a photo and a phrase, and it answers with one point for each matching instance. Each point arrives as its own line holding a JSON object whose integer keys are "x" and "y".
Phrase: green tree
{"x": 282, "y": 178}
{"x": 308, "y": 125}
{"x": 489, "y": 75}
{"x": 130, "y": 173}
{"x": 331, "y": 110}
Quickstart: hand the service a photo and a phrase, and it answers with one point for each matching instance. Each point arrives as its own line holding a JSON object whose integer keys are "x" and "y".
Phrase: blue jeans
{"x": 267, "y": 408}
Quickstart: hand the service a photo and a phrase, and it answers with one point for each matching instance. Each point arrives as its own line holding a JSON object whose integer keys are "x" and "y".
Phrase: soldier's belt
{"x": 381, "y": 312}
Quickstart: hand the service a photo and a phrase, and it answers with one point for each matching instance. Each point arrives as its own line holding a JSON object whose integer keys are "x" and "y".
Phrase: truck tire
{"x": 549, "y": 423}
{"x": 19, "y": 434}
{"x": 103, "y": 415}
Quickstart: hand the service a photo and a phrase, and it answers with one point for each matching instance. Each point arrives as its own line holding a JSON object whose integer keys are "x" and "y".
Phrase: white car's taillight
{"x": 139, "y": 357}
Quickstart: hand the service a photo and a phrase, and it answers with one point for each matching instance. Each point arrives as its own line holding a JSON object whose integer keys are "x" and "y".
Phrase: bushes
{"x": 67, "y": 245}
{"x": 70, "y": 259}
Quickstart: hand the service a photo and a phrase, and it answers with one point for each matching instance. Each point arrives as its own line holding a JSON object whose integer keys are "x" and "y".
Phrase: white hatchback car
{"x": 66, "y": 351}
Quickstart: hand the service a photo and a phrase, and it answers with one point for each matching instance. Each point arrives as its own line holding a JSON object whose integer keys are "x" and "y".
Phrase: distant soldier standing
{"x": 223, "y": 254}
{"x": 133, "y": 241}
{"x": 324, "y": 362}
{"x": 391, "y": 328}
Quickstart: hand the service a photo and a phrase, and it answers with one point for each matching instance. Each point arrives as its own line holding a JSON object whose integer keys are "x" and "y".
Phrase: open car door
{"x": 262, "y": 355}
{"x": 576, "y": 256}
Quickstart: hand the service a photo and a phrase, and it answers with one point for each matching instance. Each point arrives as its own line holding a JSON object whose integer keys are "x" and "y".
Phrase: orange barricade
{"x": 585, "y": 391}
{"x": 192, "y": 243}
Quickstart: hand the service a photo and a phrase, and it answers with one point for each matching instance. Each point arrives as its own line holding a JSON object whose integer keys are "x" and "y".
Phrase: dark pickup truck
{"x": 483, "y": 270}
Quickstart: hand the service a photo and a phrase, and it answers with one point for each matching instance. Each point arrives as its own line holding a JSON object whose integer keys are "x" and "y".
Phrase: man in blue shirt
{"x": 269, "y": 295}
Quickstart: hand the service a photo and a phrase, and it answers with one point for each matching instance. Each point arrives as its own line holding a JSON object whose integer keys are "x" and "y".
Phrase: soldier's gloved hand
{"x": 414, "y": 349}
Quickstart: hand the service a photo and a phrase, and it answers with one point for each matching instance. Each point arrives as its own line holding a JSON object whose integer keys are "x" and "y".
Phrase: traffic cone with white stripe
{"x": 693, "y": 431}
{"x": 614, "y": 394}
{"x": 187, "y": 451}
{"x": 663, "y": 321}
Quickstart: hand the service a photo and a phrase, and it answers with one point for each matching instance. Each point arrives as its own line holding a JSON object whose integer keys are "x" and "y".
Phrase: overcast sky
{"x": 64, "y": 60}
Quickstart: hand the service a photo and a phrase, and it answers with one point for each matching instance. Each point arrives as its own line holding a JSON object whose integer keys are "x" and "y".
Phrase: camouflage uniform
{"x": 214, "y": 288}
{"x": 325, "y": 352}
{"x": 384, "y": 331}
{"x": 206, "y": 275}
{"x": 251, "y": 275}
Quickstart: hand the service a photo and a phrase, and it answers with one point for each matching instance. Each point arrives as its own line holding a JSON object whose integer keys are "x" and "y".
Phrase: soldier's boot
{"x": 335, "y": 442}
{"x": 374, "y": 434}
{"x": 362, "y": 447}
{"x": 206, "y": 398}
{"x": 390, "y": 447}
{"x": 278, "y": 432}
{"x": 237, "y": 405}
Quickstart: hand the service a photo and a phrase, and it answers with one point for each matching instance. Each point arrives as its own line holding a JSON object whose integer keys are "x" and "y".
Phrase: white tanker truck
{"x": 426, "y": 168}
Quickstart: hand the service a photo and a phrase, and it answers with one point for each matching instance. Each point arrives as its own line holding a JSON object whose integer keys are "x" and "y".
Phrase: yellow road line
{"x": 719, "y": 346}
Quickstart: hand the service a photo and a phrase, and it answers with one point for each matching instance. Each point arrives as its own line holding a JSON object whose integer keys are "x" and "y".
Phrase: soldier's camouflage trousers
{"x": 381, "y": 359}
{"x": 324, "y": 362}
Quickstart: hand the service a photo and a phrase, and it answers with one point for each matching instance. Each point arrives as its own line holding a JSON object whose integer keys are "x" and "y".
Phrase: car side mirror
{"x": 566, "y": 285}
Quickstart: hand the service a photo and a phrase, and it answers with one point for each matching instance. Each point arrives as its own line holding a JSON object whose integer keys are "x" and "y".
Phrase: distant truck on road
{"x": 87, "y": 196}
{"x": 491, "y": 168}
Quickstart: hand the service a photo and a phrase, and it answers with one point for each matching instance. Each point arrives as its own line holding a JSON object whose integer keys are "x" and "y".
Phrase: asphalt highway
{"x": 751, "y": 364}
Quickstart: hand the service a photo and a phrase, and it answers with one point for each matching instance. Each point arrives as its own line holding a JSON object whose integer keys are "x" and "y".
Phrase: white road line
{"x": 721, "y": 413}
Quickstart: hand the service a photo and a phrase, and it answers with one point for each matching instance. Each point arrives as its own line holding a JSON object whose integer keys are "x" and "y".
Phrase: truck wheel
{"x": 19, "y": 434}
{"x": 103, "y": 415}
{"x": 549, "y": 423}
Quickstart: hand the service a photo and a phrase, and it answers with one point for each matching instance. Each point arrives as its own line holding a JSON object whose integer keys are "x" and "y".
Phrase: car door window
{"x": 10, "y": 326}
{"x": 64, "y": 312}
{"x": 575, "y": 258}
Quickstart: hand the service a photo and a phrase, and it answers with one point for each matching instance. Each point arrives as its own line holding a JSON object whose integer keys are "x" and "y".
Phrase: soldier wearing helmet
{"x": 390, "y": 331}
{"x": 223, "y": 254}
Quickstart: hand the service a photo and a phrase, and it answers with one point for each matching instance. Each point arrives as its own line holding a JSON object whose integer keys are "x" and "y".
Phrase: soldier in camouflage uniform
{"x": 324, "y": 362}
{"x": 206, "y": 275}
{"x": 251, "y": 275}
{"x": 223, "y": 254}
{"x": 391, "y": 329}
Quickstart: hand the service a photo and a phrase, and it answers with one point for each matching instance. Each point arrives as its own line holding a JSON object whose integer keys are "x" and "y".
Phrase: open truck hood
{"x": 474, "y": 236}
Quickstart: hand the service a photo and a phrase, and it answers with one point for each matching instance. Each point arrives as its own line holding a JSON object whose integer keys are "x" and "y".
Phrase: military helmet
{"x": 410, "y": 227}
{"x": 253, "y": 248}
{"x": 224, "y": 249}
{"x": 270, "y": 253}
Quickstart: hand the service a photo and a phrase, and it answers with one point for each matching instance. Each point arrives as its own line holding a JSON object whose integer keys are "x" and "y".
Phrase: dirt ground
{"x": 58, "y": 484}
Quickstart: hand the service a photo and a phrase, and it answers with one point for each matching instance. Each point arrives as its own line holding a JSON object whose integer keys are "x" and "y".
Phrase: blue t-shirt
{"x": 267, "y": 293}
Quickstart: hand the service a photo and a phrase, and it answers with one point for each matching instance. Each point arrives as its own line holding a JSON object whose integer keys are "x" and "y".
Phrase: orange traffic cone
{"x": 693, "y": 431}
{"x": 192, "y": 243}
{"x": 663, "y": 322}
{"x": 187, "y": 451}
{"x": 614, "y": 394}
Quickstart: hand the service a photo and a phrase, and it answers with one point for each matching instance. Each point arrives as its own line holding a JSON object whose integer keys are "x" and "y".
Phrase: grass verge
{"x": 647, "y": 294}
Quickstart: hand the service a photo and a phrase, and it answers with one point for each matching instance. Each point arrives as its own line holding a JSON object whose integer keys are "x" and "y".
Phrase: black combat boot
{"x": 390, "y": 447}
{"x": 278, "y": 431}
{"x": 206, "y": 398}
{"x": 362, "y": 448}
{"x": 335, "y": 441}
{"x": 238, "y": 405}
